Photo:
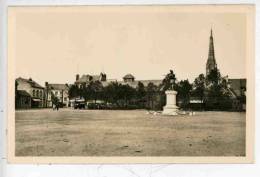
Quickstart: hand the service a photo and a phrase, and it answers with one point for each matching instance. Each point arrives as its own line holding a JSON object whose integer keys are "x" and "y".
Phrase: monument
{"x": 170, "y": 108}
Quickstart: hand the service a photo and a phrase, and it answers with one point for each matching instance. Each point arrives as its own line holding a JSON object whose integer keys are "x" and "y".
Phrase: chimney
{"x": 103, "y": 77}
{"x": 46, "y": 84}
{"x": 77, "y": 77}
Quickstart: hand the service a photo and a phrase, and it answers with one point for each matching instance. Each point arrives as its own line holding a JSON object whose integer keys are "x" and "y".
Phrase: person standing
{"x": 57, "y": 106}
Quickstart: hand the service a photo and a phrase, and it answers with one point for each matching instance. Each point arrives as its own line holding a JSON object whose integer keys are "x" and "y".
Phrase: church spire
{"x": 211, "y": 62}
{"x": 211, "y": 47}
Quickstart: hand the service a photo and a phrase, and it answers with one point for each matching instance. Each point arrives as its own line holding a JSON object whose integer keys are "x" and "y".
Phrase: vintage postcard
{"x": 131, "y": 84}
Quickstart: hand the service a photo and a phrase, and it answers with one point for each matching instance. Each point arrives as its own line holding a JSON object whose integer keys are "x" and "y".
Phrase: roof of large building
{"x": 29, "y": 81}
{"x": 237, "y": 85}
{"x": 95, "y": 77}
{"x": 134, "y": 84}
{"x": 128, "y": 76}
{"x": 83, "y": 78}
{"x": 87, "y": 78}
{"x": 58, "y": 86}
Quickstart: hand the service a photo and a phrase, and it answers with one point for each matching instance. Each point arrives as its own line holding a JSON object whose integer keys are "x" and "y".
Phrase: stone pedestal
{"x": 170, "y": 108}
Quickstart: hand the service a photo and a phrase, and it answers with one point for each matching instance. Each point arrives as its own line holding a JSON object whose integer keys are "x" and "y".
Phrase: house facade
{"x": 22, "y": 100}
{"x": 60, "y": 91}
{"x": 237, "y": 89}
{"x": 26, "y": 88}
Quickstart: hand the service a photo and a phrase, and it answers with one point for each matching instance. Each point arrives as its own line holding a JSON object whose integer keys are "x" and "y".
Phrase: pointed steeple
{"x": 211, "y": 47}
{"x": 211, "y": 62}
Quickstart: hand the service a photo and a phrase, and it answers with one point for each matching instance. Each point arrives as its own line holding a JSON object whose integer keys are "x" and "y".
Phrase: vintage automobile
{"x": 79, "y": 103}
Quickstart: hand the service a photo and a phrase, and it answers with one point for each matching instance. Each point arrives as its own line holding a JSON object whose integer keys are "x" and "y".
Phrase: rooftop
{"x": 58, "y": 86}
{"x": 128, "y": 76}
{"x": 29, "y": 81}
{"x": 87, "y": 78}
{"x": 134, "y": 84}
{"x": 237, "y": 86}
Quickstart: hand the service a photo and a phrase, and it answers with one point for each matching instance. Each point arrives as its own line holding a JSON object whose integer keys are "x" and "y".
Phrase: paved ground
{"x": 128, "y": 133}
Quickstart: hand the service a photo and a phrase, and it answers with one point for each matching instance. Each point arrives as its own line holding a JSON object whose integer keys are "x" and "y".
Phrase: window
{"x": 65, "y": 98}
{"x": 37, "y": 93}
{"x": 33, "y": 92}
{"x": 56, "y": 92}
{"x": 40, "y": 93}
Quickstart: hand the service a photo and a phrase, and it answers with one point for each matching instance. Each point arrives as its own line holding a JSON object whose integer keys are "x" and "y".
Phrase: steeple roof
{"x": 211, "y": 46}
{"x": 211, "y": 62}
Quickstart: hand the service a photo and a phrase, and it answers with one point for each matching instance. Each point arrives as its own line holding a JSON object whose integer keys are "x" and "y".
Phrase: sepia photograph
{"x": 134, "y": 83}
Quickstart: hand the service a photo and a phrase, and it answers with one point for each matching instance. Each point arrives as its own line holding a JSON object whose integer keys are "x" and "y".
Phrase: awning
{"x": 37, "y": 100}
{"x": 196, "y": 101}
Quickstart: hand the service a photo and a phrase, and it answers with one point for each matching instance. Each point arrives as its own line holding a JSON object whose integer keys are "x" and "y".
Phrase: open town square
{"x": 70, "y": 132}
{"x": 97, "y": 116}
{"x": 146, "y": 86}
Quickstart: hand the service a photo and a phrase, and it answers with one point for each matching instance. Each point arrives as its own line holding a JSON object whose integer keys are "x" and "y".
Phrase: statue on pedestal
{"x": 170, "y": 108}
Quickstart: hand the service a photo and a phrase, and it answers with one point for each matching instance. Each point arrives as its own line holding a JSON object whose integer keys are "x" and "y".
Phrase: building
{"x": 211, "y": 61}
{"x": 22, "y": 99}
{"x": 129, "y": 78}
{"x": 26, "y": 88}
{"x": 237, "y": 89}
{"x": 85, "y": 79}
{"x": 237, "y": 86}
{"x": 60, "y": 91}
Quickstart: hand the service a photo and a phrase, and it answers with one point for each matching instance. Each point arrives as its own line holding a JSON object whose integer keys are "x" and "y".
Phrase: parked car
{"x": 79, "y": 104}
{"x": 97, "y": 106}
{"x": 92, "y": 106}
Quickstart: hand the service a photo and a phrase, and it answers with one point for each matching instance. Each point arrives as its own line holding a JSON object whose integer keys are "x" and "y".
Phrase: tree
{"x": 217, "y": 92}
{"x": 213, "y": 77}
{"x": 140, "y": 93}
{"x": 111, "y": 92}
{"x": 150, "y": 94}
{"x": 199, "y": 87}
{"x": 126, "y": 93}
{"x": 183, "y": 89}
{"x": 95, "y": 90}
{"x": 74, "y": 91}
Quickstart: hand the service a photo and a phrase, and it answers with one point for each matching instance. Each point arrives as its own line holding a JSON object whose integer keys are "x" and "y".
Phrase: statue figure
{"x": 171, "y": 77}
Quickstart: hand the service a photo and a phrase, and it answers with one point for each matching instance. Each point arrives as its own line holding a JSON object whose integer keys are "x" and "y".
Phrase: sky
{"x": 54, "y": 44}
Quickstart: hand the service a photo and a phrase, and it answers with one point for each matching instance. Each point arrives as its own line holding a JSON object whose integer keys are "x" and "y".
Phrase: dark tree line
{"x": 120, "y": 95}
{"x": 211, "y": 90}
